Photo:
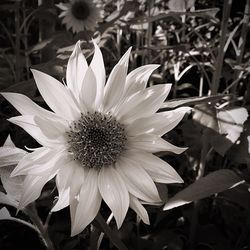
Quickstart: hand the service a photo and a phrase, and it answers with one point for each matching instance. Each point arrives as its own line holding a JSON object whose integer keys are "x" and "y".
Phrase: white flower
{"x": 99, "y": 140}
{"x": 79, "y": 15}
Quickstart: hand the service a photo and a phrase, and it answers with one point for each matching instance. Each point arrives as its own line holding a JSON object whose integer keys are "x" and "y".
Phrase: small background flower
{"x": 79, "y": 15}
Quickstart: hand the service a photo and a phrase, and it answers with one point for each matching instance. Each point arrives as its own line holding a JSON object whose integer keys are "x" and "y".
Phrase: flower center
{"x": 80, "y": 9}
{"x": 96, "y": 140}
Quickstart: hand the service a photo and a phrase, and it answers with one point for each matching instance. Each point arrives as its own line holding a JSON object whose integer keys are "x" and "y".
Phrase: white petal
{"x": 143, "y": 104}
{"x": 52, "y": 129}
{"x": 8, "y": 142}
{"x": 138, "y": 182}
{"x": 88, "y": 90}
{"x": 76, "y": 69}
{"x": 114, "y": 193}
{"x": 89, "y": 203}
{"x": 153, "y": 143}
{"x": 32, "y": 187}
{"x": 39, "y": 156}
{"x": 159, "y": 170}
{"x": 116, "y": 82}
{"x": 68, "y": 182}
{"x": 40, "y": 162}
{"x": 62, "y": 6}
{"x": 138, "y": 78}
{"x": 139, "y": 209}
{"x": 28, "y": 123}
{"x": 10, "y": 155}
{"x": 26, "y": 106}
{"x": 172, "y": 117}
{"x": 159, "y": 123}
{"x": 56, "y": 96}
{"x": 12, "y": 186}
{"x": 8, "y": 200}
{"x": 97, "y": 66}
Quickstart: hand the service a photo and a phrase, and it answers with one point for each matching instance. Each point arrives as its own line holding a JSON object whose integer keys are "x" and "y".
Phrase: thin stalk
{"x": 102, "y": 234}
{"x": 150, "y": 30}
{"x": 46, "y": 29}
{"x": 118, "y": 33}
{"x": 234, "y": 83}
{"x": 8, "y": 34}
{"x": 25, "y": 43}
{"x": 33, "y": 215}
{"x": 242, "y": 41}
{"x": 138, "y": 241}
{"x": 17, "y": 42}
{"x": 112, "y": 236}
{"x": 46, "y": 224}
{"x": 202, "y": 39}
{"x": 201, "y": 85}
{"x": 94, "y": 235}
{"x": 202, "y": 167}
{"x": 221, "y": 53}
{"x": 201, "y": 68}
{"x": 11, "y": 65}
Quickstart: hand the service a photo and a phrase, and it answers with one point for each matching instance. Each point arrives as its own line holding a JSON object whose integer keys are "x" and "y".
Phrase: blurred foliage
{"x": 203, "y": 49}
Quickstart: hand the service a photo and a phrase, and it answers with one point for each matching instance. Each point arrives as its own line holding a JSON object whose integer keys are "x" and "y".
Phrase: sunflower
{"x": 79, "y": 15}
{"x": 99, "y": 141}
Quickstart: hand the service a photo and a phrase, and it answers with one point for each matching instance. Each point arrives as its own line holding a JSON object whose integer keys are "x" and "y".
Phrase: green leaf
{"x": 190, "y": 101}
{"x": 5, "y": 215}
{"x": 226, "y": 125}
{"x": 230, "y": 122}
{"x": 240, "y": 151}
{"x": 215, "y": 182}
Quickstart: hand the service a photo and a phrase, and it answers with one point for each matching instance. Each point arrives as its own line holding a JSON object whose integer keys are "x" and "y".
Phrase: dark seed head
{"x": 96, "y": 140}
{"x": 80, "y": 9}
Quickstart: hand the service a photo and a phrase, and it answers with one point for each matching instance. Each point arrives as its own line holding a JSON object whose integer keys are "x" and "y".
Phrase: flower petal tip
{"x": 167, "y": 207}
{"x": 20, "y": 207}
{"x": 181, "y": 150}
{"x": 13, "y": 174}
{"x": 180, "y": 180}
{"x": 75, "y": 231}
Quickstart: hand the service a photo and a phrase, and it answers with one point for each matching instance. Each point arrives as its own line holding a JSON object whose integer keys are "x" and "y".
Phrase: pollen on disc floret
{"x": 96, "y": 140}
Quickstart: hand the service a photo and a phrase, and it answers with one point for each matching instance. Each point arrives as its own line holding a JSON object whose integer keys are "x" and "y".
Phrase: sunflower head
{"x": 80, "y": 9}
{"x": 100, "y": 145}
{"x": 79, "y": 15}
{"x": 96, "y": 140}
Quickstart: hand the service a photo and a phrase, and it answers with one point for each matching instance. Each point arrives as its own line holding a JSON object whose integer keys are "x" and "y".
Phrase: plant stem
{"x": 220, "y": 57}
{"x": 31, "y": 211}
{"x": 106, "y": 229}
{"x": 94, "y": 235}
{"x": 242, "y": 42}
{"x": 118, "y": 33}
{"x": 25, "y": 43}
{"x": 102, "y": 234}
{"x": 46, "y": 29}
{"x": 17, "y": 44}
{"x": 201, "y": 85}
{"x": 201, "y": 171}
{"x": 149, "y": 31}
